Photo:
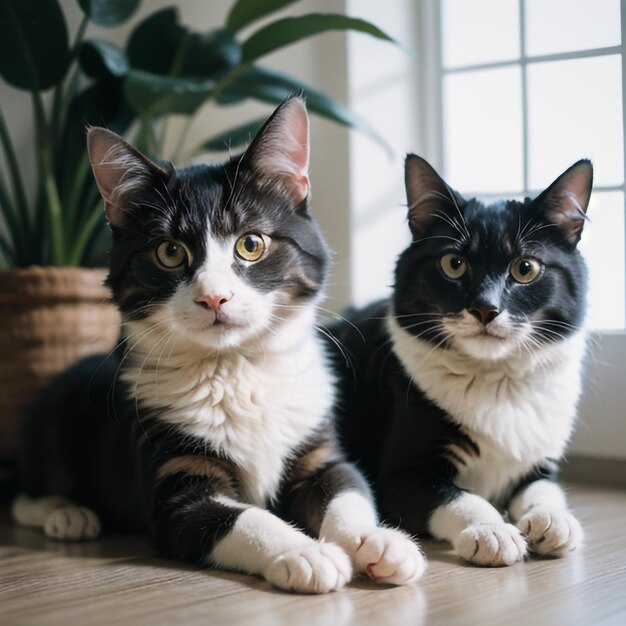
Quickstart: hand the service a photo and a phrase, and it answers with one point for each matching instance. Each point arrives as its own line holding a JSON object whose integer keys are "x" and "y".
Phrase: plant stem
{"x": 84, "y": 236}
{"x": 80, "y": 34}
{"x": 146, "y": 132}
{"x": 175, "y": 68}
{"x": 8, "y": 210}
{"x": 9, "y": 254}
{"x": 59, "y": 108}
{"x": 73, "y": 198}
{"x": 50, "y": 189}
{"x": 227, "y": 80}
{"x": 182, "y": 139}
{"x": 217, "y": 90}
{"x": 17, "y": 215}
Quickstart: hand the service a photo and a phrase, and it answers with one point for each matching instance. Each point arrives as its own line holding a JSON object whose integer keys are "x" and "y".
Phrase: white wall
{"x": 383, "y": 86}
{"x": 601, "y": 429}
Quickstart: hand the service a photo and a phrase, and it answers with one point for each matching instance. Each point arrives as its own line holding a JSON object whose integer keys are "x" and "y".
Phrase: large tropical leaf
{"x": 273, "y": 87}
{"x": 289, "y": 30}
{"x": 162, "y": 46}
{"x": 150, "y": 94}
{"x": 108, "y": 12}
{"x": 102, "y": 59}
{"x": 34, "y": 52}
{"x": 244, "y": 12}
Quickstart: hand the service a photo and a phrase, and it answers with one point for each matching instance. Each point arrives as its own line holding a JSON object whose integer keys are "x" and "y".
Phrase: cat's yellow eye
{"x": 172, "y": 254}
{"x": 251, "y": 247}
{"x": 453, "y": 265}
{"x": 525, "y": 269}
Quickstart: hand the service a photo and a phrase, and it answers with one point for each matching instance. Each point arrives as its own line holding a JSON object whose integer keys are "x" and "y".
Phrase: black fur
{"x": 401, "y": 439}
{"x": 88, "y": 439}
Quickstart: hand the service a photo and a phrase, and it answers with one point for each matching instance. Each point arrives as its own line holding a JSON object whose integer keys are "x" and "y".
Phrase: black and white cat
{"x": 211, "y": 423}
{"x": 466, "y": 385}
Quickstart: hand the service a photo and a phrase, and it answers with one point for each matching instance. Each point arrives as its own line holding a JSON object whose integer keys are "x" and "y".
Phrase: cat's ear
{"x": 564, "y": 203}
{"x": 427, "y": 194}
{"x": 121, "y": 172}
{"x": 280, "y": 149}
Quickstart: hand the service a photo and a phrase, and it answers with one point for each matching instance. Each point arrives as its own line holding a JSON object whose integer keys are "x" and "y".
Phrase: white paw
{"x": 492, "y": 545}
{"x": 317, "y": 568}
{"x": 551, "y": 532}
{"x": 389, "y": 556}
{"x": 72, "y": 523}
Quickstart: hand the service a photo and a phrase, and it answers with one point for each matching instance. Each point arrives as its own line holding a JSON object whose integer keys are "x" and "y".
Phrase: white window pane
{"x": 565, "y": 25}
{"x": 575, "y": 111}
{"x": 602, "y": 244}
{"x": 483, "y": 130}
{"x": 479, "y": 31}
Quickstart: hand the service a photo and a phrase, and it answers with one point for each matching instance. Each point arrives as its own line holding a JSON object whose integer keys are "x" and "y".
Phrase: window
{"x": 527, "y": 87}
{"x": 523, "y": 88}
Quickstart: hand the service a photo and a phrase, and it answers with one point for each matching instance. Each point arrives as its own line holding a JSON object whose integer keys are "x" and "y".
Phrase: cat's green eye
{"x": 525, "y": 269}
{"x": 172, "y": 254}
{"x": 251, "y": 247}
{"x": 453, "y": 265}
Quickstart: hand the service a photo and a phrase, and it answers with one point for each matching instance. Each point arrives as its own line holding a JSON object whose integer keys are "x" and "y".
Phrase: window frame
{"x": 433, "y": 103}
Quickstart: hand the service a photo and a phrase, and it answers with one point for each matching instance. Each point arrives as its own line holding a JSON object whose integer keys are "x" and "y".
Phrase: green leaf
{"x": 150, "y": 94}
{"x": 101, "y": 104}
{"x": 8, "y": 252}
{"x": 245, "y": 12}
{"x": 161, "y": 45}
{"x": 289, "y": 30}
{"x": 16, "y": 214}
{"x": 233, "y": 138}
{"x": 108, "y": 12}
{"x": 34, "y": 52}
{"x": 274, "y": 87}
{"x": 102, "y": 59}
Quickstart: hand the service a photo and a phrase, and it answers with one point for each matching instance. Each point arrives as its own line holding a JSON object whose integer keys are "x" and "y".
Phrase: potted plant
{"x": 53, "y": 305}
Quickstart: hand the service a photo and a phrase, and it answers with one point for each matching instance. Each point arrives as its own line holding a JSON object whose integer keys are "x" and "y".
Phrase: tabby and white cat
{"x": 467, "y": 383}
{"x": 211, "y": 423}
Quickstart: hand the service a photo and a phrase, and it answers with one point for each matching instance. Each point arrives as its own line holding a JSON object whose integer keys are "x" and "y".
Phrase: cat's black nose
{"x": 483, "y": 312}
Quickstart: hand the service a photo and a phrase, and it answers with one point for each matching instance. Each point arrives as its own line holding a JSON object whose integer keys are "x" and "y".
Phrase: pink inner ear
{"x": 299, "y": 127}
{"x": 301, "y": 188}
{"x": 426, "y": 192}
{"x": 119, "y": 169}
{"x": 284, "y": 148}
{"x": 107, "y": 169}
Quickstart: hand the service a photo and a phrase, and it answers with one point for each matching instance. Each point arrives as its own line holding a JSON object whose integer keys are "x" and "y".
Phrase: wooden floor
{"x": 117, "y": 581}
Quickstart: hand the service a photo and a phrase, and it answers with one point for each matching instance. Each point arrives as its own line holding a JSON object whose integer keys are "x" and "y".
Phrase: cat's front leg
{"x": 387, "y": 555}
{"x": 331, "y": 499}
{"x": 541, "y": 513}
{"x": 197, "y": 517}
{"x": 477, "y": 531}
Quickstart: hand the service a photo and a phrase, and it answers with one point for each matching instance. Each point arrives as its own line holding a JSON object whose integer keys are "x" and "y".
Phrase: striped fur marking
{"x": 313, "y": 461}
{"x": 196, "y": 466}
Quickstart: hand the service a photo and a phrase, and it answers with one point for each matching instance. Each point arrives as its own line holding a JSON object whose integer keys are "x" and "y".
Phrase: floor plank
{"x": 118, "y": 581}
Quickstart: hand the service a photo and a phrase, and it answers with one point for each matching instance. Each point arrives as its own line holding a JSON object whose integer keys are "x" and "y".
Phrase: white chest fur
{"x": 253, "y": 406}
{"x": 518, "y": 410}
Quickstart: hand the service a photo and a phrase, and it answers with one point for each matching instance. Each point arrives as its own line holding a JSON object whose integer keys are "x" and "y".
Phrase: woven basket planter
{"x": 49, "y": 318}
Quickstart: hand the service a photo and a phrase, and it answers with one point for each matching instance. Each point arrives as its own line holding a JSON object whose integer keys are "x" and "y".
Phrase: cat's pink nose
{"x": 213, "y": 302}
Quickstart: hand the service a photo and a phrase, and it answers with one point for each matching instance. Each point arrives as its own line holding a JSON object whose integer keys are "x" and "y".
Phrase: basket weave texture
{"x": 49, "y": 318}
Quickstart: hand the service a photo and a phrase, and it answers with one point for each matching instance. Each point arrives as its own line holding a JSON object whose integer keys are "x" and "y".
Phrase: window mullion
{"x": 623, "y": 24}
{"x": 432, "y": 82}
{"x": 524, "y": 78}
